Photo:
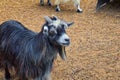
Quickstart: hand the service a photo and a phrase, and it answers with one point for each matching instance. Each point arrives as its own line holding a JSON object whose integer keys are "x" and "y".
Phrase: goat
{"x": 57, "y": 3}
{"x": 32, "y": 54}
{"x": 102, "y": 3}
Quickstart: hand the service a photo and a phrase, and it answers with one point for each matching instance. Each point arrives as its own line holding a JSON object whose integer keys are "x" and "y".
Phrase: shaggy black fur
{"x": 30, "y": 53}
{"x": 100, "y": 3}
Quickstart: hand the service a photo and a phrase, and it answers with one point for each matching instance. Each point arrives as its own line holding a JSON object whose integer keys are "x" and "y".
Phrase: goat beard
{"x": 62, "y": 52}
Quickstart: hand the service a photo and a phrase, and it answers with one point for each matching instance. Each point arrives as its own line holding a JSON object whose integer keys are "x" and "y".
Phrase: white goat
{"x": 58, "y": 2}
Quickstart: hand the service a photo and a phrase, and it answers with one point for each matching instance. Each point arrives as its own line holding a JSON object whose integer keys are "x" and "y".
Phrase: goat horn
{"x": 54, "y": 16}
{"x": 48, "y": 19}
{"x": 70, "y": 23}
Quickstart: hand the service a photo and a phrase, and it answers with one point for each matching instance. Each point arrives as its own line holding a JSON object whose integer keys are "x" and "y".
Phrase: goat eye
{"x": 52, "y": 32}
{"x": 54, "y": 27}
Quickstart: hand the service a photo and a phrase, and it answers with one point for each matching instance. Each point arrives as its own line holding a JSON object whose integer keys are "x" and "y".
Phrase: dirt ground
{"x": 94, "y": 53}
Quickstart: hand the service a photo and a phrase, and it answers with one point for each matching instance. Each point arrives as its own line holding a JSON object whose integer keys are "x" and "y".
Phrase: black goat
{"x": 30, "y": 53}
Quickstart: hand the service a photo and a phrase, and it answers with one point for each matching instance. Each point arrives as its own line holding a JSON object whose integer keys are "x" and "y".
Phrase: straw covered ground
{"x": 94, "y": 53}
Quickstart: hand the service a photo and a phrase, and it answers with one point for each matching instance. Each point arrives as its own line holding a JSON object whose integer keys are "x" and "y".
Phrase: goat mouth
{"x": 65, "y": 44}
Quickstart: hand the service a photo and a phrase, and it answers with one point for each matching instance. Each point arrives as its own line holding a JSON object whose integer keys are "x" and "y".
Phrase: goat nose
{"x": 67, "y": 40}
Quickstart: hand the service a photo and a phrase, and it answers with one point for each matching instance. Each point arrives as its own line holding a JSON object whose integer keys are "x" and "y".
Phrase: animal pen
{"x": 94, "y": 52}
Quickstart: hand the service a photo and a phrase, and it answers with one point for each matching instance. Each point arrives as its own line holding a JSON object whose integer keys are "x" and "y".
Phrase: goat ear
{"x": 70, "y": 23}
{"x": 48, "y": 19}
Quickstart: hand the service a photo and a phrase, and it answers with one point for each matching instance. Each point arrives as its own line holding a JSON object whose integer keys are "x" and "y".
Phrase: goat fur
{"x": 31, "y": 54}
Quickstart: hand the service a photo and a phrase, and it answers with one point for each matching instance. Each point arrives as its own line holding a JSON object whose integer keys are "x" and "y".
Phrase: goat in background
{"x": 32, "y": 54}
{"x": 58, "y": 2}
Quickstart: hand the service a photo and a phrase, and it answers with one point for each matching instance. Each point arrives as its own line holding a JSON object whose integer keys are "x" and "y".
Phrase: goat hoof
{"x": 57, "y": 10}
{"x": 79, "y": 11}
{"x": 49, "y": 4}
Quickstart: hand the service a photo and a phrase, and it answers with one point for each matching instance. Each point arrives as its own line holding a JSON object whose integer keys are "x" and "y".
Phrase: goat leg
{"x": 79, "y": 10}
{"x": 49, "y": 3}
{"x": 57, "y": 8}
{"x": 41, "y": 2}
{"x": 7, "y": 74}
